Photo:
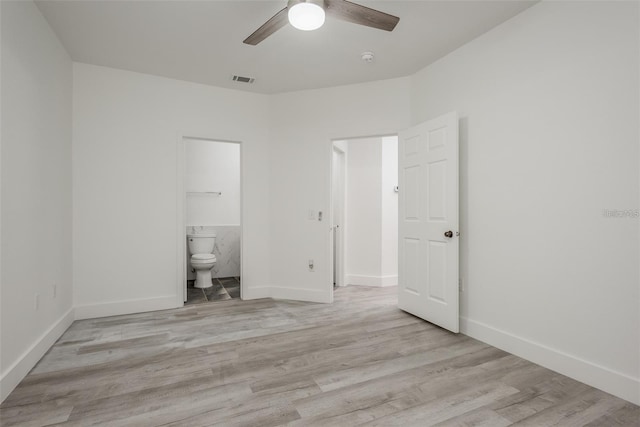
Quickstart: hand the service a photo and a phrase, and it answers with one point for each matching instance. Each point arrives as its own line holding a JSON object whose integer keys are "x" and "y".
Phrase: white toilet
{"x": 202, "y": 257}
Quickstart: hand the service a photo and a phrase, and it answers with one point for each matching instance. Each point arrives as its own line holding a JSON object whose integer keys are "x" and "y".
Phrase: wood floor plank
{"x": 428, "y": 382}
{"x": 441, "y": 410}
{"x": 481, "y": 417}
{"x": 358, "y": 361}
{"x": 576, "y": 411}
{"x": 353, "y": 375}
{"x": 160, "y": 401}
{"x": 31, "y": 416}
{"x": 627, "y": 415}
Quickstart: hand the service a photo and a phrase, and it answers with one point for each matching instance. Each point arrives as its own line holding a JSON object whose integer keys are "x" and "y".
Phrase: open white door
{"x": 428, "y": 221}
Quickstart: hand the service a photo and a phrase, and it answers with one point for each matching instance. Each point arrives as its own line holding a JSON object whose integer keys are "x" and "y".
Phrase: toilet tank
{"x": 201, "y": 243}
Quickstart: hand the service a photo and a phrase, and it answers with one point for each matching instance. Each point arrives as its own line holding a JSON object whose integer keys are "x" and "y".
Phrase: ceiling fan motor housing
{"x": 306, "y": 15}
{"x": 316, "y": 2}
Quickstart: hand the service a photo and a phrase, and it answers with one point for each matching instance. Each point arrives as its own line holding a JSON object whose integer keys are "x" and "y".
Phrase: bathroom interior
{"x": 213, "y": 228}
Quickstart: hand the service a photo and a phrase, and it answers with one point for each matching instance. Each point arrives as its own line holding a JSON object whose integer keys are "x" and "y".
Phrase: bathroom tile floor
{"x": 223, "y": 288}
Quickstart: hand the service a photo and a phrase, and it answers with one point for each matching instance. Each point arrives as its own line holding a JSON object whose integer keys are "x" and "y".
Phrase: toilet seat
{"x": 203, "y": 258}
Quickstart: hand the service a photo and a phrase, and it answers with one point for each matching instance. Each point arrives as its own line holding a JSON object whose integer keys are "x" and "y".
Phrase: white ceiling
{"x": 201, "y": 41}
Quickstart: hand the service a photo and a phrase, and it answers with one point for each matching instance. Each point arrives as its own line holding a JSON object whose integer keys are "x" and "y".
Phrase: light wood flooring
{"x": 359, "y": 361}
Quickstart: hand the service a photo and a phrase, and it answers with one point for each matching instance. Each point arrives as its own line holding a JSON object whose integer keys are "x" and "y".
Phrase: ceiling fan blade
{"x": 357, "y": 14}
{"x": 276, "y": 22}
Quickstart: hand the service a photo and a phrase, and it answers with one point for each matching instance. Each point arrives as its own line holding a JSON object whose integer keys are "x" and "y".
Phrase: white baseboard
{"x": 377, "y": 281}
{"x": 616, "y": 383}
{"x": 92, "y": 311}
{"x": 389, "y": 280}
{"x": 18, "y": 370}
{"x": 310, "y": 295}
{"x": 256, "y": 293}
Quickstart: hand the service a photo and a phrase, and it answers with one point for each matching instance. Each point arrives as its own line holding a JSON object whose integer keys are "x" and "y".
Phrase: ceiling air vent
{"x": 242, "y": 79}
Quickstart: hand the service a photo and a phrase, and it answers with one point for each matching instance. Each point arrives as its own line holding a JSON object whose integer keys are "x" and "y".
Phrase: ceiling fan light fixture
{"x": 306, "y": 15}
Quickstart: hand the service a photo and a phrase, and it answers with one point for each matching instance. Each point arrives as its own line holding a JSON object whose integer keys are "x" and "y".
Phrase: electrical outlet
{"x": 54, "y": 290}
{"x": 460, "y": 285}
{"x": 310, "y": 265}
{"x": 37, "y": 301}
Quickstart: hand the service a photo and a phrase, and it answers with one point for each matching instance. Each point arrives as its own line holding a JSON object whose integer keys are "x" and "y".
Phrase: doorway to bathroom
{"x": 364, "y": 213}
{"x": 211, "y": 236}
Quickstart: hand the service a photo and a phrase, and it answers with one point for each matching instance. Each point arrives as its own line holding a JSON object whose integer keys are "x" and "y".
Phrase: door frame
{"x": 181, "y": 213}
{"x": 338, "y": 266}
{"x": 330, "y": 186}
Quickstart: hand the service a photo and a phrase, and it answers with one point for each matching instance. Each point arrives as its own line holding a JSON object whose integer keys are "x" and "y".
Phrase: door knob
{"x": 448, "y": 234}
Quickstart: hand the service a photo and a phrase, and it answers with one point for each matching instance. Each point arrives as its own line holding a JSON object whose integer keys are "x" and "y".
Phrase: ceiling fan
{"x": 309, "y": 15}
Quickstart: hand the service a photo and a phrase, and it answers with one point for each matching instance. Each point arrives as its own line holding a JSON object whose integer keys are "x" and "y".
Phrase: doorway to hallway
{"x": 364, "y": 214}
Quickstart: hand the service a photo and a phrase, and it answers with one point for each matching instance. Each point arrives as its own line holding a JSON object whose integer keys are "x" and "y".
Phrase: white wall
{"x": 36, "y": 190}
{"x": 549, "y": 138}
{"x": 302, "y": 127}
{"x": 364, "y": 213}
{"x": 372, "y": 212}
{"x": 127, "y": 127}
{"x": 212, "y": 166}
